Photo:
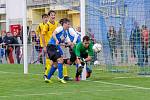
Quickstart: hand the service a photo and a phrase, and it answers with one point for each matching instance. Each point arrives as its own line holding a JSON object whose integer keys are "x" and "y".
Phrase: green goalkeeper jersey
{"x": 80, "y": 49}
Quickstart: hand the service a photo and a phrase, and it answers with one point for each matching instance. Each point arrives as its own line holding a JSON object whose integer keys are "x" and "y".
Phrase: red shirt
{"x": 145, "y": 35}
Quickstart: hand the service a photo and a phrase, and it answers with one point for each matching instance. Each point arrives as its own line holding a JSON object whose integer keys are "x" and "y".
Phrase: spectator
{"x": 93, "y": 40}
{"x": 1, "y": 40}
{"x": 145, "y": 41}
{"x": 111, "y": 36}
{"x": 120, "y": 41}
{"x": 1, "y": 51}
{"x": 136, "y": 44}
{"x": 38, "y": 48}
{"x": 91, "y": 35}
{"x": 17, "y": 48}
{"x": 9, "y": 40}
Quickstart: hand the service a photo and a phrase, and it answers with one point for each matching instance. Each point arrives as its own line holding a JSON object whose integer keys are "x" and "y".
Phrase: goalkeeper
{"x": 82, "y": 50}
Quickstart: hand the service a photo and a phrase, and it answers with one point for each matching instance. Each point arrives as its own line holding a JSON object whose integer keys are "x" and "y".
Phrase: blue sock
{"x": 77, "y": 65}
{"x": 52, "y": 70}
{"x": 77, "y": 74}
{"x": 60, "y": 70}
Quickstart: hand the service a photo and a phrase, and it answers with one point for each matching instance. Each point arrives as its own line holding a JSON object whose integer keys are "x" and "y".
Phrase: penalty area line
{"x": 123, "y": 85}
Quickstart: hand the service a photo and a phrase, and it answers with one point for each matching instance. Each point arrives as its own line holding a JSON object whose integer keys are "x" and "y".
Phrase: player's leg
{"x": 60, "y": 70}
{"x": 88, "y": 71}
{"x": 79, "y": 68}
{"x": 65, "y": 71}
{"x": 50, "y": 53}
{"x": 47, "y": 66}
{"x": 10, "y": 55}
{"x": 51, "y": 72}
{"x": 55, "y": 56}
{"x": 80, "y": 65}
{"x": 66, "y": 63}
{"x": 69, "y": 61}
{"x": 58, "y": 56}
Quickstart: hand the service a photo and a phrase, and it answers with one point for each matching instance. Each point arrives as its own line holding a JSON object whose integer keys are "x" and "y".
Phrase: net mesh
{"x": 122, "y": 26}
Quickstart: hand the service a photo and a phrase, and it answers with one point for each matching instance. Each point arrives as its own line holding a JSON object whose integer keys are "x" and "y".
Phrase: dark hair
{"x": 61, "y": 21}
{"x": 44, "y": 15}
{"x": 8, "y": 32}
{"x": 144, "y": 26}
{"x": 112, "y": 30}
{"x": 86, "y": 38}
{"x": 51, "y": 11}
{"x": 64, "y": 20}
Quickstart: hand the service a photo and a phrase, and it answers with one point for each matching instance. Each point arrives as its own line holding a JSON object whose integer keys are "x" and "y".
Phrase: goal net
{"x": 122, "y": 26}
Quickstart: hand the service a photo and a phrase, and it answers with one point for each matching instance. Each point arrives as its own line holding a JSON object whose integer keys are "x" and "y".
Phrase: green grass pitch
{"x": 14, "y": 85}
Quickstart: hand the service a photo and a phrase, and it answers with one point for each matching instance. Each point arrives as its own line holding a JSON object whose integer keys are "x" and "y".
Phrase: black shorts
{"x": 73, "y": 56}
{"x": 53, "y": 52}
{"x": 84, "y": 55}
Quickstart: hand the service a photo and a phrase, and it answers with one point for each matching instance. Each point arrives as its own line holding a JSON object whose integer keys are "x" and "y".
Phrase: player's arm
{"x": 77, "y": 52}
{"x": 90, "y": 53}
{"x": 38, "y": 31}
{"x": 74, "y": 34}
{"x": 44, "y": 31}
{"x": 57, "y": 30}
{"x": 55, "y": 38}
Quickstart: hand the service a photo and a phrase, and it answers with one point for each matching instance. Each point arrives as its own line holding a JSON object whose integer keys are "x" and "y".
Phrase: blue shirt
{"x": 72, "y": 36}
{"x": 61, "y": 36}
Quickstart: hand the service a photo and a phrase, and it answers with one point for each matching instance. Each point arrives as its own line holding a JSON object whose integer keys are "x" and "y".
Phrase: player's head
{"x": 86, "y": 41}
{"x": 52, "y": 15}
{"x": 65, "y": 23}
{"x": 78, "y": 29}
{"x": 45, "y": 18}
{"x": 9, "y": 34}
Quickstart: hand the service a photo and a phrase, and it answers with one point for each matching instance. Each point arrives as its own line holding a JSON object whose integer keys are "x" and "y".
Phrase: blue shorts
{"x": 2, "y": 52}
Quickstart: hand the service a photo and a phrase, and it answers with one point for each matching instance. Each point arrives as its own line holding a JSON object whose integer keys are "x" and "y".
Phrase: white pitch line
{"x": 124, "y": 85}
{"x": 62, "y": 93}
{"x": 42, "y": 74}
{"x": 145, "y": 76}
{"x": 18, "y": 73}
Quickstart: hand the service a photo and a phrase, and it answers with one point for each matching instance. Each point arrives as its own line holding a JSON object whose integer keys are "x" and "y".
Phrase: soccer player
{"x": 71, "y": 40}
{"x": 47, "y": 34}
{"x": 39, "y": 29}
{"x": 81, "y": 50}
{"x": 54, "y": 50}
{"x": 84, "y": 52}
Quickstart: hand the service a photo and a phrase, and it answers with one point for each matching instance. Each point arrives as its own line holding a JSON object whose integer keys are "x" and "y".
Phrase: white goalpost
{"x": 83, "y": 31}
{"x": 18, "y": 18}
{"x": 25, "y": 62}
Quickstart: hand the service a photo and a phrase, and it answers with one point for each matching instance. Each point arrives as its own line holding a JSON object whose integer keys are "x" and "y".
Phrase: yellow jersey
{"x": 48, "y": 31}
{"x": 39, "y": 30}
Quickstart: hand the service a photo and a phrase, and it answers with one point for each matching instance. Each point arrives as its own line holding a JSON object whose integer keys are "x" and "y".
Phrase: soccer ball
{"x": 97, "y": 47}
{"x": 96, "y": 62}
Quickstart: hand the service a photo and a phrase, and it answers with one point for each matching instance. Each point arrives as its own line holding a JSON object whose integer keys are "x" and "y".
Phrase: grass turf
{"x": 14, "y": 85}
